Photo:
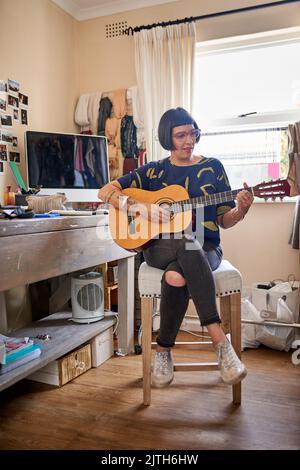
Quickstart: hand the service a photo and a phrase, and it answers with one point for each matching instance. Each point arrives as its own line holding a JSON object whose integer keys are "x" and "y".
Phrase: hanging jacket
{"x": 104, "y": 113}
{"x": 128, "y": 137}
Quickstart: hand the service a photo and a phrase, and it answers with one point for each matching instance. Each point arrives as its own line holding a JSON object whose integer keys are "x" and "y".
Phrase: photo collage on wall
{"x": 13, "y": 110}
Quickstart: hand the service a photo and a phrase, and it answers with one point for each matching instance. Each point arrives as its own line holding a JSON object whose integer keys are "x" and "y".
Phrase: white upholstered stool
{"x": 228, "y": 283}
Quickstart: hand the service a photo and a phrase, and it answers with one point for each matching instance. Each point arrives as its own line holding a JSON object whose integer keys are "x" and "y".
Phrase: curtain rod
{"x": 136, "y": 29}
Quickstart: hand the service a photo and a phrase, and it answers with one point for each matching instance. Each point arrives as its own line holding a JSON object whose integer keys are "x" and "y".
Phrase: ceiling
{"x": 85, "y": 9}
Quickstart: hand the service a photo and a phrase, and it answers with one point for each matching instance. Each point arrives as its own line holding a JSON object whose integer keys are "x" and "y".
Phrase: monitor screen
{"x": 75, "y": 164}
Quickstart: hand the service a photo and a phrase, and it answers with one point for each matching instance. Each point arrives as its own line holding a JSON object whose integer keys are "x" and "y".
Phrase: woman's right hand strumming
{"x": 153, "y": 212}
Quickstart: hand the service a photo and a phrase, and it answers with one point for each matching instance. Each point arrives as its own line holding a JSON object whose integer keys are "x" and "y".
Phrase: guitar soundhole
{"x": 131, "y": 224}
{"x": 165, "y": 204}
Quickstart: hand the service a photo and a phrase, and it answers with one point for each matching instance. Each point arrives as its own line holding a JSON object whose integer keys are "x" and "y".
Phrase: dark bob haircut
{"x": 173, "y": 118}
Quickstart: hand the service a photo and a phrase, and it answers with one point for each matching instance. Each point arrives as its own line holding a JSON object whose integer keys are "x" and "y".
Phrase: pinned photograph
{"x": 15, "y": 141}
{"x": 13, "y": 87}
{"x": 23, "y": 99}
{"x": 3, "y": 85}
{"x": 2, "y": 101}
{"x": 3, "y": 153}
{"x": 16, "y": 115}
{"x": 1, "y": 167}
{"x": 6, "y": 137}
{"x": 14, "y": 157}
{"x": 24, "y": 117}
{"x": 6, "y": 120}
{"x": 12, "y": 101}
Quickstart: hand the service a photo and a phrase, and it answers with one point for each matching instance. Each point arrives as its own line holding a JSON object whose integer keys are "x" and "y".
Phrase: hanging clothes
{"x": 119, "y": 103}
{"x": 294, "y": 158}
{"x": 111, "y": 129}
{"x": 129, "y": 165}
{"x": 81, "y": 111}
{"x": 93, "y": 110}
{"x": 128, "y": 137}
{"x": 104, "y": 113}
{"x": 113, "y": 134}
{"x": 294, "y": 237}
{"x": 294, "y": 178}
{"x": 138, "y": 117}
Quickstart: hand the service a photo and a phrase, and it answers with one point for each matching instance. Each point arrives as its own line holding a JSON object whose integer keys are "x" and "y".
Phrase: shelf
{"x": 65, "y": 336}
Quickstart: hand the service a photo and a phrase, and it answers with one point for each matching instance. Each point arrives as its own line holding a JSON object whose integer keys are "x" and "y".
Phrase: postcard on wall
{"x": 3, "y": 153}
{"x": 16, "y": 115}
{"x": 6, "y": 137}
{"x": 14, "y": 157}
{"x": 3, "y": 102}
{"x": 6, "y": 120}
{"x": 3, "y": 85}
{"x": 23, "y": 99}
{"x": 13, "y": 87}
{"x": 1, "y": 167}
{"x": 15, "y": 141}
{"x": 12, "y": 101}
{"x": 24, "y": 117}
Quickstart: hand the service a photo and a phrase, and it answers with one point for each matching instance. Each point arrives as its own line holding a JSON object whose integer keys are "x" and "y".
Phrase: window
{"x": 247, "y": 92}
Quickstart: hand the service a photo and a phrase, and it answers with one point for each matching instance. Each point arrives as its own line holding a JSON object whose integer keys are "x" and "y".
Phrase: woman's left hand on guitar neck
{"x": 244, "y": 200}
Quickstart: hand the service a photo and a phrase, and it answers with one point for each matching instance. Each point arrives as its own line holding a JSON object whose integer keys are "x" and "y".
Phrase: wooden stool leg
{"x": 235, "y": 321}
{"x": 146, "y": 312}
{"x": 225, "y": 313}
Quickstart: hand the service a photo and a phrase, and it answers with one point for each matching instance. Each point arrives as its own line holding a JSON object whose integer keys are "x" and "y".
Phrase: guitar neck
{"x": 203, "y": 201}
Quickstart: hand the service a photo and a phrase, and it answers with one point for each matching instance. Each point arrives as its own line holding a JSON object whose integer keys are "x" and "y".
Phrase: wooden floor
{"x": 102, "y": 409}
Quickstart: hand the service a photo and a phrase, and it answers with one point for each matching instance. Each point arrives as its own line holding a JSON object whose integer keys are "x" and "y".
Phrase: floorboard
{"x": 102, "y": 409}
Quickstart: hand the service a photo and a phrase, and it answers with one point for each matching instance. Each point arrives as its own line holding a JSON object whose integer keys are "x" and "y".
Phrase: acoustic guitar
{"x": 132, "y": 231}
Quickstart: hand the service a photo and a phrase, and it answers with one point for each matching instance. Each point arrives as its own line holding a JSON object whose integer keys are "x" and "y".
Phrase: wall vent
{"x": 114, "y": 30}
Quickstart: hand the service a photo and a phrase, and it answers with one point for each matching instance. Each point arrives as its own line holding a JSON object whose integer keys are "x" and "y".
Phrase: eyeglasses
{"x": 193, "y": 134}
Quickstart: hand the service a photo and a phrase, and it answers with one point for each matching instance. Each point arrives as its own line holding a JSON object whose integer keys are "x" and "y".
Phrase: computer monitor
{"x": 74, "y": 164}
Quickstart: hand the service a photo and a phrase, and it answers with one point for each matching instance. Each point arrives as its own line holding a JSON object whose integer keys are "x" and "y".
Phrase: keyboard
{"x": 77, "y": 212}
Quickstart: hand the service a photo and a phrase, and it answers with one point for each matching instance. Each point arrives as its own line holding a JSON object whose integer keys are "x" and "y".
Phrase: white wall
{"x": 39, "y": 48}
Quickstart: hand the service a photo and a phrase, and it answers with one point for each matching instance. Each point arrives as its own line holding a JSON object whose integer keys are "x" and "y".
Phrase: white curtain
{"x": 164, "y": 62}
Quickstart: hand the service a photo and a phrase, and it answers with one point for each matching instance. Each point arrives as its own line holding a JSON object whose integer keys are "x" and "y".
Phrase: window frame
{"x": 280, "y": 118}
{"x": 243, "y": 42}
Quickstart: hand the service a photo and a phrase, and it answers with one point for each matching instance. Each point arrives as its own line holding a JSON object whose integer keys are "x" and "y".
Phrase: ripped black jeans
{"x": 195, "y": 264}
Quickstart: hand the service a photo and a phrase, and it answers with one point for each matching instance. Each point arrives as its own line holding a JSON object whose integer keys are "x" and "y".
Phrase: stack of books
{"x": 15, "y": 352}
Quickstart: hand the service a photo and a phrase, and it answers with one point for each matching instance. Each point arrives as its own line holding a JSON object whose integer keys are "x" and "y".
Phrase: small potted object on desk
{"x": 20, "y": 196}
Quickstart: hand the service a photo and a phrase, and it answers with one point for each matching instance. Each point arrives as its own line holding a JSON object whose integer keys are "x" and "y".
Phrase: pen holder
{"x": 21, "y": 200}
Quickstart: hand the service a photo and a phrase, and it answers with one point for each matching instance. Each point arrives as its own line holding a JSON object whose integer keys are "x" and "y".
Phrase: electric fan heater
{"x": 87, "y": 293}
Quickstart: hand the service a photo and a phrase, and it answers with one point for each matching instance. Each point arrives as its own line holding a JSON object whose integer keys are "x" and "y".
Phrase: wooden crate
{"x": 66, "y": 368}
{"x": 110, "y": 293}
{"x": 112, "y": 274}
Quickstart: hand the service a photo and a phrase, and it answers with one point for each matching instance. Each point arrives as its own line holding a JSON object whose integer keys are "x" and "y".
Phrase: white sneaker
{"x": 231, "y": 368}
{"x": 163, "y": 369}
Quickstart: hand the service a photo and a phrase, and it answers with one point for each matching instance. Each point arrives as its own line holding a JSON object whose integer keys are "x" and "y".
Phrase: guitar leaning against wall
{"x": 132, "y": 231}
